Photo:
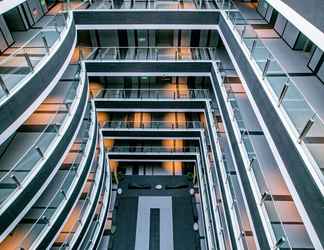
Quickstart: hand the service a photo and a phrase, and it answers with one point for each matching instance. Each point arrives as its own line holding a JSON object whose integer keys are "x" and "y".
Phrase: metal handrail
{"x": 152, "y": 4}
{"x": 60, "y": 190}
{"x": 178, "y": 93}
{"x": 84, "y": 206}
{"x": 150, "y": 124}
{"x": 34, "y": 146}
{"x": 272, "y": 57}
{"x": 244, "y": 131}
{"x": 186, "y": 149}
{"x": 16, "y": 52}
{"x": 175, "y": 52}
{"x": 234, "y": 200}
{"x": 21, "y": 51}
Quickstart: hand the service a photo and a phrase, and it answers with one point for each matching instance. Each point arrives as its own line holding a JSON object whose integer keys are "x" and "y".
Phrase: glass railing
{"x": 15, "y": 176}
{"x": 149, "y": 4}
{"x": 213, "y": 181}
{"x": 62, "y": 193}
{"x": 153, "y": 93}
{"x": 259, "y": 181}
{"x": 25, "y": 60}
{"x": 66, "y": 5}
{"x": 86, "y": 204}
{"x": 98, "y": 220}
{"x": 304, "y": 119}
{"x": 226, "y": 5}
{"x": 148, "y": 53}
{"x": 208, "y": 211}
{"x": 152, "y": 149}
{"x": 153, "y": 124}
{"x": 220, "y": 208}
{"x": 240, "y": 218}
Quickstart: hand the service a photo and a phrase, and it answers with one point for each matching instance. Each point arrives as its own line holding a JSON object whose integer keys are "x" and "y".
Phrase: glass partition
{"x": 25, "y": 60}
{"x": 60, "y": 188}
{"x": 148, "y": 149}
{"x": 14, "y": 176}
{"x": 153, "y": 124}
{"x": 302, "y": 114}
{"x": 140, "y": 4}
{"x": 153, "y": 93}
{"x": 259, "y": 179}
{"x": 148, "y": 53}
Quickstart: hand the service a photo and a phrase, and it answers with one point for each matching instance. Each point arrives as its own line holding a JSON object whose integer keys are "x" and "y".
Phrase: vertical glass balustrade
{"x": 22, "y": 62}
{"x": 148, "y": 53}
{"x": 14, "y": 176}
{"x": 63, "y": 188}
{"x": 259, "y": 180}
{"x": 305, "y": 120}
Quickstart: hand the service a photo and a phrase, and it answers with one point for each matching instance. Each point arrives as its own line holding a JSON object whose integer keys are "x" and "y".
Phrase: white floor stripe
{"x": 145, "y": 203}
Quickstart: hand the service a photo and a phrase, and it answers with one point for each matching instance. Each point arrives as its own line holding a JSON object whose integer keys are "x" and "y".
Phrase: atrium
{"x": 162, "y": 124}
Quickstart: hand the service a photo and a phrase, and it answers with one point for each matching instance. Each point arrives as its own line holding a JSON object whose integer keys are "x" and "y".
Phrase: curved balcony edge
{"x": 18, "y": 205}
{"x": 85, "y": 225}
{"x": 17, "y": 108}
{"x": 58, "y": 222}
{"x": 106, "y": 202}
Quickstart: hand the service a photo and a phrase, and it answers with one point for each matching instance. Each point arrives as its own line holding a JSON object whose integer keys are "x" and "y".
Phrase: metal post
{"x": 266, "y": 67}
{"x": 15, "y": 179}
{"x": 3, "y": 86}
{"x": 233, "y": 21}
{"x": 219, "y": 66}
{"x": 56, "y": 27}
{"x": 117, "y": 53}
{"x": 63, "y": 193}
{"x": 283, "y": 93}
{"x": 264, "y": 196}
{"x": 251, "y": 163}
{"x": 253, "y": 47}
{"x": 243, "y": 32}
{"x": 81, "y": 56}
{"x": 68, "y": 106}
{"x": 234, "y": 109}
{"x": 45, "y": 43}
{"x": 233, "y": 203}
{"x": 30, "y": 65}
{"x": 306, "y": 129}
{"x": 44, "y": 218}
{"x": 39, "y": 151}
{"x": 243, "y": 132}
{"x": 280, "y": 242}
{"x": 242, "y": 235}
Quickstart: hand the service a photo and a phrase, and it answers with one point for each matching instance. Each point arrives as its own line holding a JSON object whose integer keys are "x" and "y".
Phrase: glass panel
{"x": 15, "y": 175}
{"x": 22, "y": 62}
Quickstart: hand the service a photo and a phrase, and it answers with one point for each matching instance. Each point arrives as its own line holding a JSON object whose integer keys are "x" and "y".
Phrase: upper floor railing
{"x": 153, "y": 124}
{"x": 153, "y": 149}
{"x": 16, "y": 174}
{"x": 142, "y": 4}
{"x": 148, "y": 53}
{"x": 62, "y": 188}
{"x": 25, "y": 60}
{"x": 153, "y": 93}
{"x": 303, "y": 118}
{"x": 259, "y": 180}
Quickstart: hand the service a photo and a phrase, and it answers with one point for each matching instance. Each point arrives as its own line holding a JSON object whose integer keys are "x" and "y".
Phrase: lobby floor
{"x": 171, "y": 225}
